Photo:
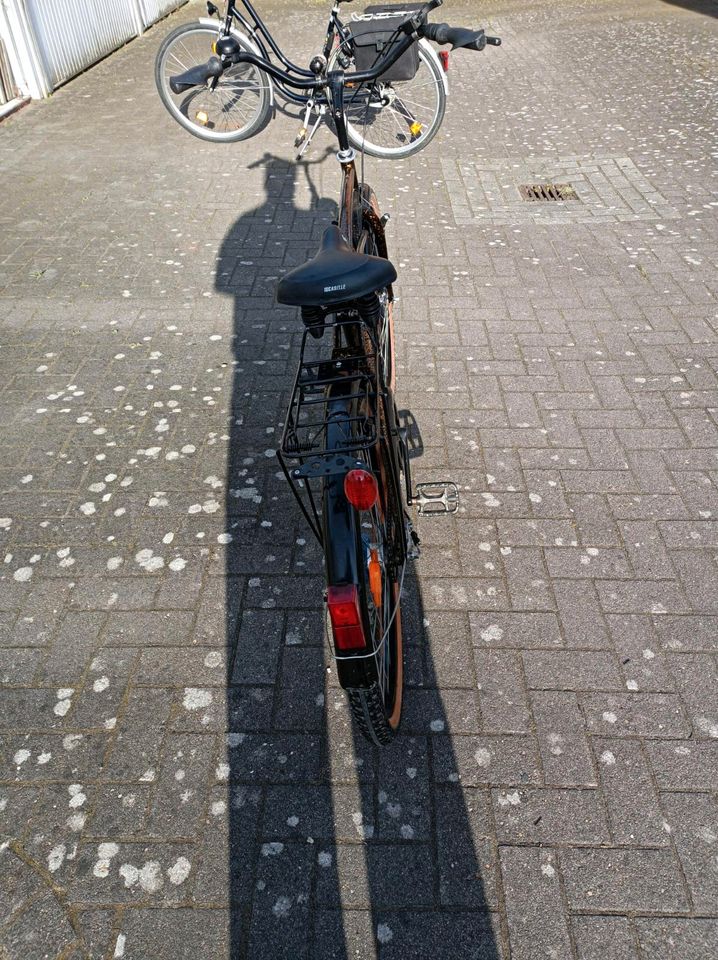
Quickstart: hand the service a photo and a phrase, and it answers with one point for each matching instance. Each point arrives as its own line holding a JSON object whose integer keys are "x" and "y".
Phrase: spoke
{"x": 416, "y": 86}
{"x": 417, "y": 103}
{"x": 175, "y": 57}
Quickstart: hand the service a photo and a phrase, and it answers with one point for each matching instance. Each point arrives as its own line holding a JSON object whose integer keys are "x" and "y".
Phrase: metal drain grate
{"x": 548, "y": 191}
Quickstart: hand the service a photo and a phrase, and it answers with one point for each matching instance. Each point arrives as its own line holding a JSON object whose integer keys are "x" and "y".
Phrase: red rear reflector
{"x": 343, "y": 603}
{"x": 361, "y": 489}
{"x": 444, "y": 57}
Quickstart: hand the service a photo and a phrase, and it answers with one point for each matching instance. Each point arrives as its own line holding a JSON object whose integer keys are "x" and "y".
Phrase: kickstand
{"x": 304, "y": 138}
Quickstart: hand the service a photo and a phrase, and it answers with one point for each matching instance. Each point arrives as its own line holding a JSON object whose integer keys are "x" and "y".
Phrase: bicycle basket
{"x": 375, "y": 33}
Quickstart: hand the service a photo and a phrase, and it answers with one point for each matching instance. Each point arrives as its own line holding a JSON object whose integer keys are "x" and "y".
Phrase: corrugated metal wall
{"x": 73, "y": 34}
{"x": 8, "y": 89}
{"x": 154, "y": 9}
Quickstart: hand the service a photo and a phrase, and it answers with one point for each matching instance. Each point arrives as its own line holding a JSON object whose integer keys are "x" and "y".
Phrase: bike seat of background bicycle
{"x": 336, "y": 275}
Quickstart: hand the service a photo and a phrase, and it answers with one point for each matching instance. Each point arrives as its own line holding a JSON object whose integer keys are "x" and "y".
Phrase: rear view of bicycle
{"x": 343, "y": 449}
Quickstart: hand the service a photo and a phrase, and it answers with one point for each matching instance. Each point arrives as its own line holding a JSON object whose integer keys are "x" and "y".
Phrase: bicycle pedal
{"x": 437, "y": 499}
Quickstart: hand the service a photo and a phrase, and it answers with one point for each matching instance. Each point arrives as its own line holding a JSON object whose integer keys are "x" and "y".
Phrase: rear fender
{"x": 342, "y": 541}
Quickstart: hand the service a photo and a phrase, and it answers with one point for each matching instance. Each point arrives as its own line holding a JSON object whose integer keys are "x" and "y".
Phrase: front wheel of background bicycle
{"x": 237, "y": 108}
{"x": 384, "y": 131}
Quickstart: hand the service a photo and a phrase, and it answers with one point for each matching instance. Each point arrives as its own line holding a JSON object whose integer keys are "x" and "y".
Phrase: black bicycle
{"x": 343, "y": 448}
{"x": 393, "y": 115}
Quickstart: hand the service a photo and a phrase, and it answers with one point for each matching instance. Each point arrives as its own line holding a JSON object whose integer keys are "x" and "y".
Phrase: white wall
{"x": 50, "y": 41}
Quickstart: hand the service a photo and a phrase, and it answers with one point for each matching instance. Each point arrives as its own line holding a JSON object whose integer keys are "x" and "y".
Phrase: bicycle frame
{"x": 259, "y": 30}
{"x": 384, "y": 397}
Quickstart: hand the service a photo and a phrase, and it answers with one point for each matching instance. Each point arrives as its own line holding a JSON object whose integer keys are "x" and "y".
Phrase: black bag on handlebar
{"x": 375, "y": 33}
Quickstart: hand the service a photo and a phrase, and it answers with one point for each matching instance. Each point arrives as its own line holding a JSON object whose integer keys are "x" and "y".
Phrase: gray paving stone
{"x": 679, "y": 764}
{"x": 673, "y": 937}
{"x": 623, "y": 880}
{"x": 40, "y": 931}
{"x": 688, "y": 634}
{"x": 534, "y": 905}
{"x": 477, "y": 761}
{"x": 433, "y": 933}
{"x": 697, "y": 680}
{"x": 565, "y": 752}
{"x": 571, "y": 670}
{"x": 284, "y": 877}
{"x": 518, "y": 630}
{"x": 502, "y": 692}
{"x": 693, "y": 819}
{"x": 141, "y": 629}
{"x": 385, "y": 876}
{"x": 549, "y": 817}
{"x": 634, "y": 811}
{"x": 580, "y": 615}
{"x": 651, "y": 715}
{"x": 466, "y": 856}
{"x": 609, "y": 938}
{"x": 164, "y": 933}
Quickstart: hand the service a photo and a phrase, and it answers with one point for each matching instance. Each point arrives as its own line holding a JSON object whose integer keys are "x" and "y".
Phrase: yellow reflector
{"x": 214, "y": 46}
{"x": 202, "y": 117}
{"x": 416, "y": 129}
{"x": 375, "y": 578}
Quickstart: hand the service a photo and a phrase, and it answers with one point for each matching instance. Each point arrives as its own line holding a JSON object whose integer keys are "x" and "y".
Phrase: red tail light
{"x": 444, "y": 57}
{"x": 361, "y": 489}
{"x": 343, "y": 603}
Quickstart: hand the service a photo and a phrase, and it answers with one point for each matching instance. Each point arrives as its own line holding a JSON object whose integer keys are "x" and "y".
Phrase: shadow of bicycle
{"x": 336, "y": 849}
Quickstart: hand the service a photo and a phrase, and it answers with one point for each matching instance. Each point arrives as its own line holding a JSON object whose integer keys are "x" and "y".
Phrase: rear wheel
{"x": 234, "y": 108}
{"x": 396, "y": 120}
{"x": 376, "y": 708}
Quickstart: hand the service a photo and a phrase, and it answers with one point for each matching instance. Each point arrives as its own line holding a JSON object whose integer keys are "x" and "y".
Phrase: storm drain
{"x": 548, "y": 191}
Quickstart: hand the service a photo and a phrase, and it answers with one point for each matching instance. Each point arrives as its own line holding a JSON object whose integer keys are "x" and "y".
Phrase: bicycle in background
{"x": 392, "y": 116}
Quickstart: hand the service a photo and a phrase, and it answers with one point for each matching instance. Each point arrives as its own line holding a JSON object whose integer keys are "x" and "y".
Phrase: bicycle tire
{"x": 377, "y": 711}
{"x": 189, "y": 45}
{"x": 377, "y": 706}
{"x": 360, "y": 134}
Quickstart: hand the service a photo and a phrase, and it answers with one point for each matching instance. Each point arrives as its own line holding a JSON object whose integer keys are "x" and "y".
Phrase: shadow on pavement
{"x": 707, "y": 7}
{"x": 335, "y": 849}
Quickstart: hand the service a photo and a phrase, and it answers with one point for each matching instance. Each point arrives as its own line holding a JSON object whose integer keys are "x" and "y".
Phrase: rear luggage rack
{"x": 347, "y": 373}
{"x": 335, "y": 389}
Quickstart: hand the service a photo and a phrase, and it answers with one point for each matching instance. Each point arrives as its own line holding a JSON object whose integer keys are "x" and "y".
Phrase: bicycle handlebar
{"x": 413, "y": 28}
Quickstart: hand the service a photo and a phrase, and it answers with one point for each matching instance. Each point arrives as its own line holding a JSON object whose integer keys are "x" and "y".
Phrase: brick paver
{"x": 178, "y": 774}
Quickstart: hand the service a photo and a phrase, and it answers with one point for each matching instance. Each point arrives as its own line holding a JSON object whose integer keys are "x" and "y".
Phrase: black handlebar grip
{"x": 438, "y": 32}
{"x": 458, "y": 37}
{"x": 196, "y": 76}
{"x": 478, "y": 43}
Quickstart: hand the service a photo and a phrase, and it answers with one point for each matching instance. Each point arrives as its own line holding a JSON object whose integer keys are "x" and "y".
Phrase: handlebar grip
{"x": 438, "y": 32}
{"x": 458, "y": 37}
{"x": 478, "y": 43}
{"x": 196, "y": 76}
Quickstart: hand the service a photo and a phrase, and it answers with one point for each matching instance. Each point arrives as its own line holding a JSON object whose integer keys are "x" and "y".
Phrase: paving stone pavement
{"x": 178, "y": 775}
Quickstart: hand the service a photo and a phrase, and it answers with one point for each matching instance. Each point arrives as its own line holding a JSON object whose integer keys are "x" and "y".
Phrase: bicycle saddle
{"x": 336, "y": 275}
